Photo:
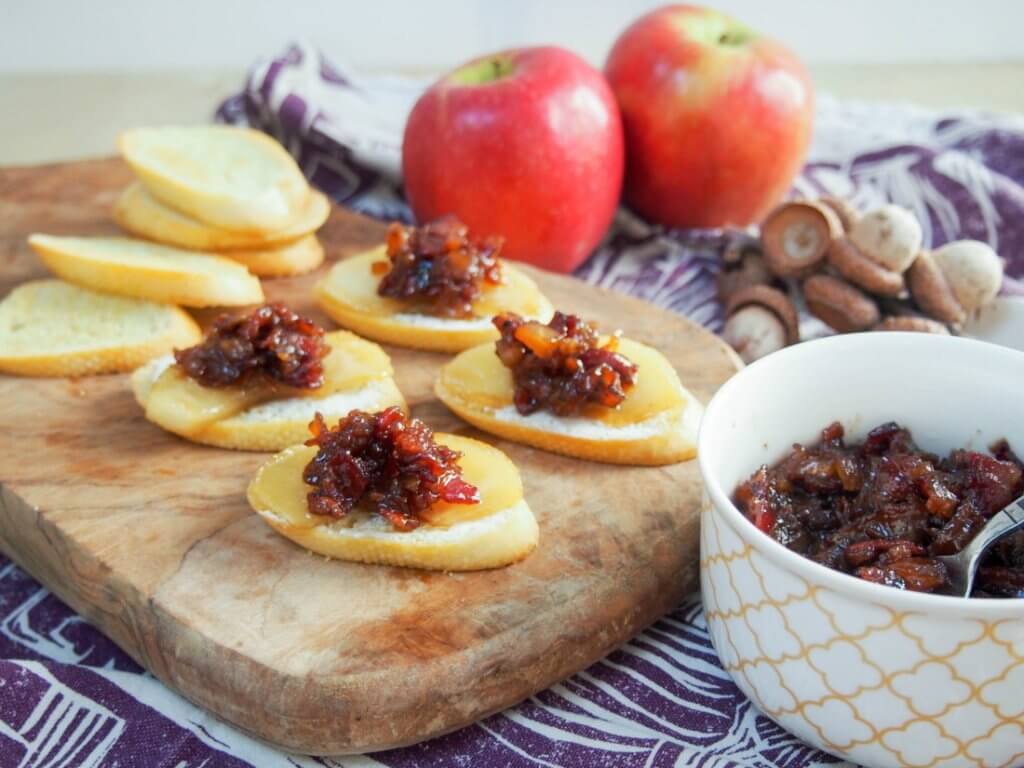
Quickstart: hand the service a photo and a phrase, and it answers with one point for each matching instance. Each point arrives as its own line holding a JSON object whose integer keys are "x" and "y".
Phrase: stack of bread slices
{"x": 219, "y": 189}
{"x": 214, "y": 208}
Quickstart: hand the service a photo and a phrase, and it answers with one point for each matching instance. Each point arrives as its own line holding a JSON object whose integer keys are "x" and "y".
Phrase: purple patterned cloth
{"x": 69, "y": 697}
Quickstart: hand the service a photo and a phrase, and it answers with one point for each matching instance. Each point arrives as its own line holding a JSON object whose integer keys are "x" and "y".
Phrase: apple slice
{"x": 357, "y": 374}
{"x": 348, "y": 293}
{"x": 655, "y": 424}
{"x": 499, "y": 530}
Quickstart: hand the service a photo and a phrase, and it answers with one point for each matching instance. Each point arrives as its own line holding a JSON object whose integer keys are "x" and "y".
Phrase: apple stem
{"x": 483, "y": 71}
{"x": 734, "y": 37}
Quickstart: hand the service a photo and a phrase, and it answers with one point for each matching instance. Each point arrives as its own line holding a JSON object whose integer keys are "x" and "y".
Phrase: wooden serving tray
{"x": 150, "y": 537}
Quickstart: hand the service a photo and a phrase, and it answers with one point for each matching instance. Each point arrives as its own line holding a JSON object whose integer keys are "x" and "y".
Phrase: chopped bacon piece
{"x": 439, "y": 267}
{"x": 390, "y": 461}
{"x": 560, "y": 366}
{"x": 271, "y": 343}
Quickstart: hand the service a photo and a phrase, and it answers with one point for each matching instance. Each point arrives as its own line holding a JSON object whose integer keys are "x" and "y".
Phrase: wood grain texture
{"x": 151, "y": 539}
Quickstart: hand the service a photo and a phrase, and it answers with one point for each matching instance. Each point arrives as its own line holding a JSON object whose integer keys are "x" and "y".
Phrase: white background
{"x": 146, "y": 35}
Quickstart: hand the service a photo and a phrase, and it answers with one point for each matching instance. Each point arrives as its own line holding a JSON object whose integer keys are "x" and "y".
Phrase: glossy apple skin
{"x": 715, "y": 133}
{"x": 535, "y": 156}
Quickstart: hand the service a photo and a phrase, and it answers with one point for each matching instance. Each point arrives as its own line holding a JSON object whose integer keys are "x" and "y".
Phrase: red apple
{"x": 717, "y": 118}
{"x": 526, "y": 144}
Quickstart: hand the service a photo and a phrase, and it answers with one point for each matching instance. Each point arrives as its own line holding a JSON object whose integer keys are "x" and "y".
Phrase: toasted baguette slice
{"x": 348, "y": 293}
{"x": 656, "y": 424}
{"x": 358, "y": 374}
{"x": 498, "y": 531}
{"x": 666, "y": 439}
{"x": 145, "y": 270}
{"x": 53, "y": 328}
{"x": 296, "y": 258}
{"x": 143, "y": 215}
{"x": 229, "y": 177}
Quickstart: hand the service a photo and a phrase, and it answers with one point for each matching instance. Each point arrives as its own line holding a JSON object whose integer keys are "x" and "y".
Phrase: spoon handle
{"x": 1004, "y": 522}
{"x": 1007, "y": 520}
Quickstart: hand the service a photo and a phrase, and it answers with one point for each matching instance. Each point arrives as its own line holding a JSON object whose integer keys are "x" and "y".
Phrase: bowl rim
{"x": 816, "y": 573}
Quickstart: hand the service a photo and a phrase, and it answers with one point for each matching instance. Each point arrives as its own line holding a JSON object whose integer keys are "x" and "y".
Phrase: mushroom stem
{"x": 840, "y": 305}
{"x": 761, "y": 320}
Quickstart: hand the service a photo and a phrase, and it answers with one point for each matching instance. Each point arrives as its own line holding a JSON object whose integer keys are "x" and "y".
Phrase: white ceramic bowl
{"x": 876, "y": 675}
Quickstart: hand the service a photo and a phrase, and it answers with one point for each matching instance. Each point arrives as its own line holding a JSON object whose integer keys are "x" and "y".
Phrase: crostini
{"x": 381, "y": 488}
{"x": 53, "y": 328}
{"x": 256, "y": 381}
{"x": 144, "y": 270}
{"x": 562, "y": 387}
{"x": 229, "y": 177}
{"x": 430, "y": 287}
{"x": 138, "y": 212}
{"x": 295, "y": 258}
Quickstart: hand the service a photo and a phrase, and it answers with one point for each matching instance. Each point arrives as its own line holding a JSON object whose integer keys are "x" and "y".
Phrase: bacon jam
{"x": 883, "y": 510}
{"x": 561, "y": 366}
{"x": 272, "y": 343}
{"x": 438, "y": 267}
{"x": 387, "y": 461}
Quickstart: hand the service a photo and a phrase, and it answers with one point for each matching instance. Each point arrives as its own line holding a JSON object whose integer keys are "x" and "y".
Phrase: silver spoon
{"x": 961, "y": 567}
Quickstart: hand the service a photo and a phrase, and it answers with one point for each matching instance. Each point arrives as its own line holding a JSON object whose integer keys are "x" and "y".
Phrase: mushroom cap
{"x": 890, "y": 236}
{"x": 840, "y": 305}
{"x": 739, "y": 246}
{"x": 974, "y": 272}
{"x": 754, "y": 332}
{"x": 849, "y": 262}
{"x": 913, "y": 324}
{"x": 751, "y": 269}
{"x": 846, "y": 213}
{"x": 932, "y": 292}
{"x": 774, "y": 301}
{"x": 796, "y": 236}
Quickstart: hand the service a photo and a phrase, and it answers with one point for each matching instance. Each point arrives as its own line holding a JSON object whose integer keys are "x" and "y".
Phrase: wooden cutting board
{"x": 150, "y": 537}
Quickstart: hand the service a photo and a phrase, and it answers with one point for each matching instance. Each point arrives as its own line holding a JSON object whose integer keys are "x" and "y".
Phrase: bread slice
{"x": 666, "y": 439}
{"x": 53, "y": 328}
{"x": 138, "y": 212}
{"x": 348, "y": 294}
{"x": 295, "y": 258}
{"x": 229, "y": 177}
{"x": 499, "y": 531}
{"x": 358, "y": 374}
{"x": 656, "y": 424}
{"x": 145, "y": 270}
